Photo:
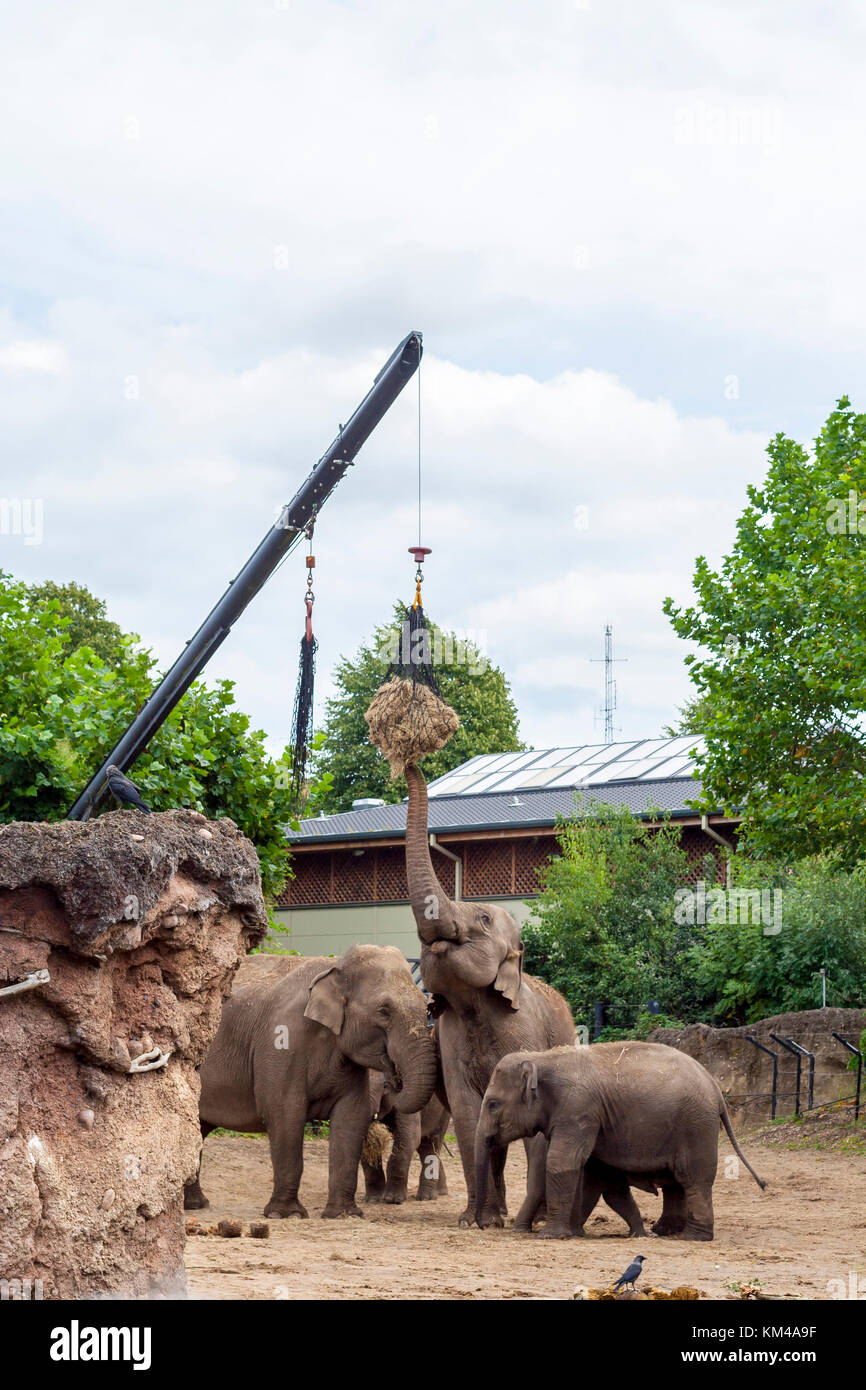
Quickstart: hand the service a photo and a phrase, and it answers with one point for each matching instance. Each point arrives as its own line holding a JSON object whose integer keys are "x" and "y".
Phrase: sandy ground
{"x": 808, "y": 1227}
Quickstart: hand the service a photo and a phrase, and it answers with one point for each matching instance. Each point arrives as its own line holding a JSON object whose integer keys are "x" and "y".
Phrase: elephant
{"x": 642, "y": 1108}
{"x": 421, "y": 1133}
{"x": 472, "y": 965}
{"x": 296, "y": 1042}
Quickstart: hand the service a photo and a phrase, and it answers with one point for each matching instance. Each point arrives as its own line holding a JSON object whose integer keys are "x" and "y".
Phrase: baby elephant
{"x": 642, "y": 1108}
{"x": 295, "y": 1043}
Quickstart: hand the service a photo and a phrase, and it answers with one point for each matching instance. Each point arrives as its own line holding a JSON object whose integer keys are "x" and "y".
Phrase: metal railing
{"x": 798, "y": 1052}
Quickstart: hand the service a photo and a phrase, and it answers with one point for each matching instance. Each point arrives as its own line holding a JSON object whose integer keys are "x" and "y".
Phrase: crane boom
{"x": 307, "y": 502}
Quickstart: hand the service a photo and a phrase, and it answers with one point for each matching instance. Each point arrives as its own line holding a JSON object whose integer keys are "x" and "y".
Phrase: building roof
{"x": 512, "y": 790}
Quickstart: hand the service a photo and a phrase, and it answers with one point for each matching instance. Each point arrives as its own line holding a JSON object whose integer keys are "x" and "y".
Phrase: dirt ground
{"x": 808, "y": 1228}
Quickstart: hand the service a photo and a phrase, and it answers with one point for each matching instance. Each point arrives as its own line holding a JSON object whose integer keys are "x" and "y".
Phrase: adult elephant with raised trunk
{"x": 296, "y": 1042}
{"x": 472, "y": 963}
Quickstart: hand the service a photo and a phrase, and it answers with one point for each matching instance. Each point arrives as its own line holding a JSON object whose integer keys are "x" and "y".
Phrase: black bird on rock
{"x": 633, "y": 1272}
{"x": 123, "y": 790}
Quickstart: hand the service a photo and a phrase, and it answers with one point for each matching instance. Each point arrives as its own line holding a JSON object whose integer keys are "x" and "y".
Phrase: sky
{"x": 630, "y": 234}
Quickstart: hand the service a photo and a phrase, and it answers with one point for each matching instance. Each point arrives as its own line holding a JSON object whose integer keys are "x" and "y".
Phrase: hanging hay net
{"x": 408, "y": 720}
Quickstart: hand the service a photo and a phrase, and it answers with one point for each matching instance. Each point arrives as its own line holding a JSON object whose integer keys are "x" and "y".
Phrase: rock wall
{"x": 140, "y": 923}
{"x": 742, "y": 1070}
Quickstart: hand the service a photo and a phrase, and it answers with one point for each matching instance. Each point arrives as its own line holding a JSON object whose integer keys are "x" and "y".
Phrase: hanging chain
{"x": 309, "y": 597}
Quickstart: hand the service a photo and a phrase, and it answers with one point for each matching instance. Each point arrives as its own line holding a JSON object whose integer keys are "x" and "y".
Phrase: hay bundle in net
{"x": 407, "y": 719}
{"x": 377, "y": 1146}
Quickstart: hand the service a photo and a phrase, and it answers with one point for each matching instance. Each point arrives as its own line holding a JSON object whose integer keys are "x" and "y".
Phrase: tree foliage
{"x": 746, "y": 973}
{"x": 62, "y": 707}
{"x": 477, "y": 690}
{"x": 602, "y": 929}
{"x": 88, "y": 624}
{"x": 781, "y": 675}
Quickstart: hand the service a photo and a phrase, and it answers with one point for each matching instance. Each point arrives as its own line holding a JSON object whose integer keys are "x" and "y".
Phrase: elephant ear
{"x": 528, "y": 1080}
{"x": 327, "y": 1003}
{"x": 509, "y": 976}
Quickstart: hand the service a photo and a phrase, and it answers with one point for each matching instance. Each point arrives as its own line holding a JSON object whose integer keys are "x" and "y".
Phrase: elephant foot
{"x": 195, "y": 1200}
{"x": 285, "y": 1207}
{"x": 637, "y": 1230}
{"x": 426, "y": 1192}
{"x": 491, "y": 1216}
{"x": 694, "y": 1233}
{"x": 662, "y": 1228}
{"x": 552, "y": 1232}
{"x": 395, "y": 1199}
{"x": 374, "y": 1199}
{"x": 339, "y": 1211}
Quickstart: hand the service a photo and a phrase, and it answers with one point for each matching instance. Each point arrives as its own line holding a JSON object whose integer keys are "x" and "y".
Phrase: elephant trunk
{"x": 483, "y": 1154}
{"x": 415, "y": 1059}
{"x": 430, "y": 905}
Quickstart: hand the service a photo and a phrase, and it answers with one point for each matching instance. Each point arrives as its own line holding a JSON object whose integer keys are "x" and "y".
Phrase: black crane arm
{"x": 307, "y": 502}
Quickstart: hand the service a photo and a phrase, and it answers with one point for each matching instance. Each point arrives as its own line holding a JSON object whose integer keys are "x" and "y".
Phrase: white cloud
{"x": 33, "y": 356}
{"x": 219, "y": 219}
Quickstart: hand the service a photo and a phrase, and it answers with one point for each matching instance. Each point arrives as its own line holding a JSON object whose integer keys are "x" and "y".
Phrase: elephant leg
{"x": 193, "y": 1197}
{"x": 620, "y": 1200}
{"x": 585, "y": 1201}
{"x": 349, "y": 1119}
{"x": 536, "y": 1179}
{"x": 374, "y": 1181}
{"x": 699, "y": 1212}
{"x": 673, "y": 1217}
{"x": 465, "y": 1114}
{"x": 407, "y": 1137}
{"x": 433, "y": 1182}
{"x": 286, "y": 1137}
{"x": 566, "y": 1156}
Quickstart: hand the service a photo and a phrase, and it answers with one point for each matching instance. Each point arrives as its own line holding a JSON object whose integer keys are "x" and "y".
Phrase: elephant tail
{"x": 726, "y": 1121}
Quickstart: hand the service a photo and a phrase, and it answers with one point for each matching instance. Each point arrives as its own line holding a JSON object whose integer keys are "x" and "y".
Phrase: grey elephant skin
{"x": 472, "y": 963}
{"x": 296, "y": 1042}
{"x": 422, "y": 1133}
{"x": 642, "y": 1108}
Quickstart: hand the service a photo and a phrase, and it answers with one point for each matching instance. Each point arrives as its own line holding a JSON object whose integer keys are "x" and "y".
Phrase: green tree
{"x": 781, "y": 678}
{"x": 602, "y": 928}
{"x": 88, "y": 624}
{"x": 61, "y": 710}
{"x": 750, "y": 972}
{"x": 477, "y": 690}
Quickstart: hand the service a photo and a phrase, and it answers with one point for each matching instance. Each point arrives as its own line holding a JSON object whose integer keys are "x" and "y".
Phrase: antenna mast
{"x": 609, "y": 682}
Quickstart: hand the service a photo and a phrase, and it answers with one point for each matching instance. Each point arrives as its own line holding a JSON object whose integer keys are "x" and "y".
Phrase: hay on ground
{"x": 407, "y": 720}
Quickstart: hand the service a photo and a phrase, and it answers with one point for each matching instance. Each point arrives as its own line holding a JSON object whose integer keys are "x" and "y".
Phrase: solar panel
{"x": 592, "y": 764}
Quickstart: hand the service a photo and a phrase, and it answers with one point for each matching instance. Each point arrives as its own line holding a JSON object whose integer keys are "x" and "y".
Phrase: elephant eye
{"x": 484, "y": 918}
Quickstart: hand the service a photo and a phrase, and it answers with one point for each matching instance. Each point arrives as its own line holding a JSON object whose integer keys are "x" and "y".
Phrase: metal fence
{"x": 803, "y": 1078}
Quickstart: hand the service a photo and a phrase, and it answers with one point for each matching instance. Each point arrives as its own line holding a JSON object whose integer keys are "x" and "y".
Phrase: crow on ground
{"x": 122, "y": 789}
{"x": 633, "y": 1272}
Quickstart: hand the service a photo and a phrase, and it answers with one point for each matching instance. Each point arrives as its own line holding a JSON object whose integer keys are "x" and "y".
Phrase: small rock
{"x": 173, "y": 921}
{"x": 86, "y": 1118}
{"x": 204, "y": 834}
{"x": 229, "y": 1229}
{"x": 107, "y": 1199}
{"x": 138, "y": 838}
{"x": 259, "y": 1230}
